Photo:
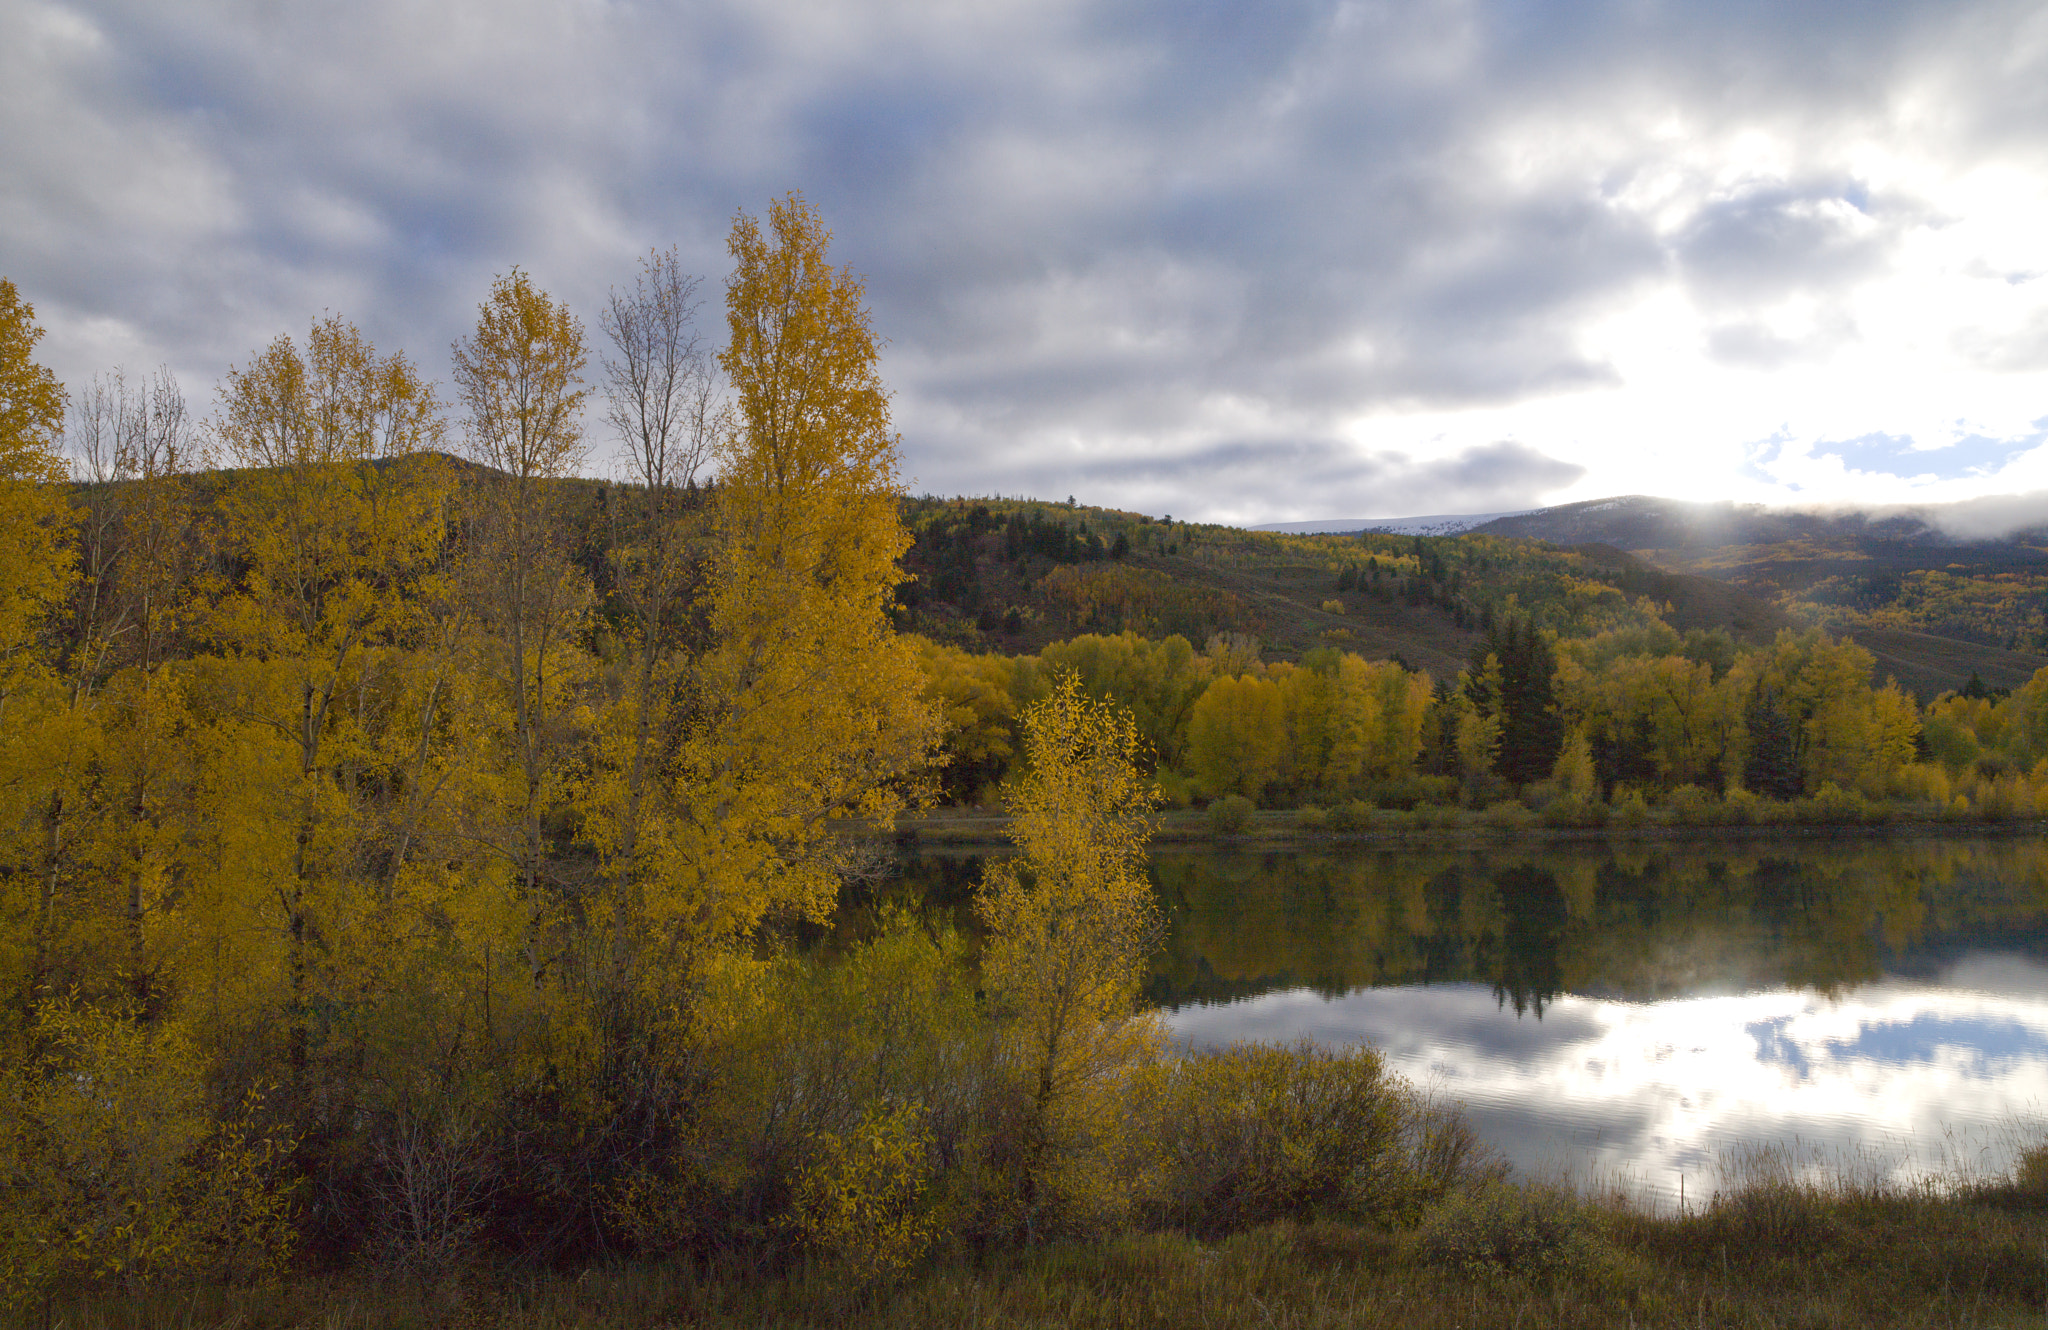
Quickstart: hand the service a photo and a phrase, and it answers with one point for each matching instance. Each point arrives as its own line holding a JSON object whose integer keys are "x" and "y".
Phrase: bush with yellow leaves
{"x": 111, "y": 1169}
{"x": 1251, "y": 1133}
{"x": 862, "y": 1199}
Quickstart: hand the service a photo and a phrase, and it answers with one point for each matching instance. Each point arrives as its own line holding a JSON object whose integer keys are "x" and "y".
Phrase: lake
{"x": 1640, "y": 1012}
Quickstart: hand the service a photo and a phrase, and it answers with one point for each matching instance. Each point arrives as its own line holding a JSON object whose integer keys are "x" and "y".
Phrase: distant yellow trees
{"x": 1644, "y": 708}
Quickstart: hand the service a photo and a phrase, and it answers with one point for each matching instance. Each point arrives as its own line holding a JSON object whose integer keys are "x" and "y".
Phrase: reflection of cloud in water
{"x": 1663, "y": 1088}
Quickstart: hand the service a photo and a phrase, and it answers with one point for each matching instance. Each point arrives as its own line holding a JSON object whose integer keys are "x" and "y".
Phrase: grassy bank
{"x": 1771, "y": 1253}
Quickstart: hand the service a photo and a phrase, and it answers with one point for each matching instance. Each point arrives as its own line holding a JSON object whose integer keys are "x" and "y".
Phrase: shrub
{"x": 1573, "y": 811}
{"x": 861, "y": 1198}
{"x": 1311, "y": 818}
{"x": 1495, "y": 1228}
{"x": 1259, "y": 1132}
{"x": 110, "y": 1168}
{"x": 1229, "y": 815}
{"x": 1351, "y": 817}
{"x": 1629, "y": 809}
{"x": 1507, "y": 817}
{"x": 1692, "y": 806}
{"x": 1333, "y": 607}
{"x": 1739, "y": 806}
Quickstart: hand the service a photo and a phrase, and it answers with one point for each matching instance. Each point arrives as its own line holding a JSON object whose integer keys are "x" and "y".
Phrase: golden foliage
{"x": 861, "y": 1199}
{"x": 807, "y": 704}
{"x": 34, "y": 564}
{"x": 112, "y": 1169}
{"x": 1070, "y": 925}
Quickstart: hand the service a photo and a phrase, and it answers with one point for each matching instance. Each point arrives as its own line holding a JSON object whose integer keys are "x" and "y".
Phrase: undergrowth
{"x": 1778, "y": 1248}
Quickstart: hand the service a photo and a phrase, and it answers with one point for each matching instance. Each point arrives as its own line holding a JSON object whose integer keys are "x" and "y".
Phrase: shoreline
{"x": 1280, "y": 830}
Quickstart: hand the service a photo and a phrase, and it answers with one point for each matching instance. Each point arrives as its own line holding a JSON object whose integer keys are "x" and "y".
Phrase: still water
{"x": 1640, "y": 1013}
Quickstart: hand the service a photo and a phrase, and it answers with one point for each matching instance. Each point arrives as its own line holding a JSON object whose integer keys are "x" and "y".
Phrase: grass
{"x": 1778, "y": 1249}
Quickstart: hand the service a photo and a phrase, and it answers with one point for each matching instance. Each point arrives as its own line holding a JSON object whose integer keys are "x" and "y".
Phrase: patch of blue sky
{"x": 1898, "y": 455}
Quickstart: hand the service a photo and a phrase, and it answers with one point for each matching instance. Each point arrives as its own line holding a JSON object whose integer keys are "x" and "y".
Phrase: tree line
{"x": 1637, "y": 713}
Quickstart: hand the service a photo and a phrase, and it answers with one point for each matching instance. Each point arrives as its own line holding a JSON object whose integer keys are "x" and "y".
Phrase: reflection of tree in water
{"x": 1523, "y": 959}
{"x": 1638, "y": 921}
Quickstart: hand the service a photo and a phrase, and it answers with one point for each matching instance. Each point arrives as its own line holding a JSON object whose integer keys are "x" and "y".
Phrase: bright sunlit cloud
{"x": 1888, "y": 1079}
{"x": 1250, "y": 263}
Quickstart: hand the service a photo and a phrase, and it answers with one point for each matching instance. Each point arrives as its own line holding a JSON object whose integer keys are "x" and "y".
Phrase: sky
{"x": 1242, "y": 262}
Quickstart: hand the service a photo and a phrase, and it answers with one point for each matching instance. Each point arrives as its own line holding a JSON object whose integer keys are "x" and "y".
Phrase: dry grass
{"x": 1782, "y": 1248}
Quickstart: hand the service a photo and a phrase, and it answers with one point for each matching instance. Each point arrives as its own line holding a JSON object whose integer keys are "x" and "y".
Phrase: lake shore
{"x": 1284, "y": 829}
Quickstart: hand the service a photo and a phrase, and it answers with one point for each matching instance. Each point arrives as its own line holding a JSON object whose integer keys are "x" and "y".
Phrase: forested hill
{"x": 1011, "y": 576}
{"x": 1928, "y": 603}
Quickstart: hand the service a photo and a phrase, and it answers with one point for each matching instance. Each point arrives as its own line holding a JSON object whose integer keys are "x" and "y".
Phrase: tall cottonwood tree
{"x": 805, "y": 705}
{"x": 519, "y": 377}
{"x": 36, "y": 568}
{"x": 659, "y": 393}
{"x": 330, "y": 534}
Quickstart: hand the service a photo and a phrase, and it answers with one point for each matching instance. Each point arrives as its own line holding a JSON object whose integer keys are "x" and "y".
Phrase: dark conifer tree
{"x": 1531, "y": 731}
{"x": 1773, "y": 768}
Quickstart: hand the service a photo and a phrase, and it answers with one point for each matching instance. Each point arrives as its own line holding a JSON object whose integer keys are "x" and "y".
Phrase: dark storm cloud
{"x": 1106, "y": 242}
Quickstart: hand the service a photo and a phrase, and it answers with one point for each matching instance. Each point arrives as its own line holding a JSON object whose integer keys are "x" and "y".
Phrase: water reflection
{"x": 1645, "y": 1008}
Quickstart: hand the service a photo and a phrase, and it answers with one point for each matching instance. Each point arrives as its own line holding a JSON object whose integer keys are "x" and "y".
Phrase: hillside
{"x": 1013, "y": 575}
{"x": 1931, "y": 606}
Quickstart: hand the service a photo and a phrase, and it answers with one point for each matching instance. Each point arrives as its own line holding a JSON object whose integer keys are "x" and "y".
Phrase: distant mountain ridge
{"x": 1648, "y": 522}
{"x": 1435, "y": 524}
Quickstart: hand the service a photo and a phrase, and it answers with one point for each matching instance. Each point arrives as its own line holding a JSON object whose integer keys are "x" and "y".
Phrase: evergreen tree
{"x": 1531, "y": 731}
{"x": 1773, "y": 767}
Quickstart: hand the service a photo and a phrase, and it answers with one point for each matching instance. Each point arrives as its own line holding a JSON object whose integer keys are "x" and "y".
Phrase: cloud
{"x": 1666, "y": 1087}
{"x": 1099, "y": 237}
{"x": 1242, "y": 480}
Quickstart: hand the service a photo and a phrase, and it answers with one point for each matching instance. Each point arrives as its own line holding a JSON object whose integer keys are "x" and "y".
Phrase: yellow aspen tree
{"x": 1307, "y": 697}
{"x": 1237, "y": 735}
{"x": 35, "y": 518}
{"x": 1478, "y": 726}
{"x": 973, "y": 694}
{"x": 1376, "y": 722}
{"x": 36, "y": 568}
{"x": 805, "y": 706}
{"x": 333, "y": 523}
{"x": 1071, "y": 923}
{"x": 659, "y": 392}
{"x": 519, "y": 376}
